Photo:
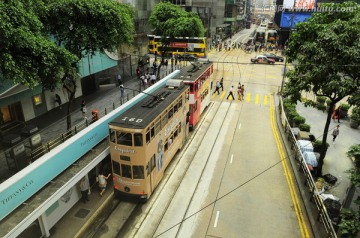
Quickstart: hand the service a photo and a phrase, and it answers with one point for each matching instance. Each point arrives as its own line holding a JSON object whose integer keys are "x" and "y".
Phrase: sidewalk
{"x": 336, "y": 162}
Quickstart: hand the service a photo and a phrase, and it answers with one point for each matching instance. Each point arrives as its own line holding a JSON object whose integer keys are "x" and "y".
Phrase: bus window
{"x": 124, "y": 157}
{"x": 116, "y": 167}
{"x": 138, "y": 172}
{"x": 138, "y": 139}
{"x": 125, "y": 171}
{"x": 124, "y": 138}
{"x": 112, "y": 136}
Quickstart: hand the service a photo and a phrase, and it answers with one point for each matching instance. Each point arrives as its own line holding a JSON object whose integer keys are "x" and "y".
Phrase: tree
{"x": 84, "y": 27}
{"x": 170, "y": 21}
{"x": 325, "y": 51}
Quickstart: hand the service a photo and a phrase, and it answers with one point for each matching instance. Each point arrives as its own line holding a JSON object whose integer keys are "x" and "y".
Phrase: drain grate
{"x": 82, "y": 213}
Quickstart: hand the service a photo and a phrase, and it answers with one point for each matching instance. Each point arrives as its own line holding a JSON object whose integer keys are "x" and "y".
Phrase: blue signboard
{"x": 290, "y": 19}
{"x": 24, "y": 184}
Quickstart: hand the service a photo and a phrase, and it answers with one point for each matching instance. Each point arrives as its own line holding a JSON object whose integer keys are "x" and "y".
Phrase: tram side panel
{"x": 139, "y": 163}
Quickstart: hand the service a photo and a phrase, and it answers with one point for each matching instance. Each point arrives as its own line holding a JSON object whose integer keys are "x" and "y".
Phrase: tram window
{"x": 164, "y": 120}
{"x": 152, "y": 130}
{"x": 116, "y": 167}
{"x": 124, "y": 157}
{"x": 138, "y": 172}
{"x": 175, "y": 133}
{"x": 125, "y": 171}
{"x": 112, "y": 136}
{"x": 147, "y": 136}
{"x": 179, "y": 128}
{"x": 180, "y": 103}
{"x": 157, "y": 126}
{"x": 124, "y": 138}
{"x": 148, "y": 165}
{"x": 138, "y": 139}
{"x": 175, "y": 107}
{"x": 191, "y": 87}
{"x": 153, "y": 162}
{"x": 166, "y": 146}
{"x": 170, "y": 113}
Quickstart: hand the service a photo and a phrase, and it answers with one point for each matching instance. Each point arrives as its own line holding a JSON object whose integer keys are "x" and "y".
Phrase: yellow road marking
{"x": 257, "y": 99}
{"x": 265, "y": 99}
{"x": 288, "y": 175}
{"x": 248, "y": 97}
{"x": 222, "y": 95}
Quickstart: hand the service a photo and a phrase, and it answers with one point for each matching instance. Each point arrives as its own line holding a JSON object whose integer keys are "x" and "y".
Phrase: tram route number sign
{"x": 133, "y": 119}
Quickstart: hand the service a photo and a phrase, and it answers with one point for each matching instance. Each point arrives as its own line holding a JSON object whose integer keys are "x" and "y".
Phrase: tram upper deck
{"x": 194, "y": 71}
{"x": 145, "y": 111}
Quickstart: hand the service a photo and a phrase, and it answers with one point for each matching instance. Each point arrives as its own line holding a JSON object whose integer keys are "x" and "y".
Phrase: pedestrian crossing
{"x": 256, "y": 98}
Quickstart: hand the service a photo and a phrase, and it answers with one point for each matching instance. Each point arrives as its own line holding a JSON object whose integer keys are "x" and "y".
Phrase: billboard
{"x": 290, "y": 19}
{"x": 299, "y": 4}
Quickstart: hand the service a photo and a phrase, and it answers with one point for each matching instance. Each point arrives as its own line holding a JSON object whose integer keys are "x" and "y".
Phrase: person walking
{"x": 222, "y": 84}
{"x": 217, "y": 87}
{"x": 85, "y": 189}
{"x": 231, "y": 93}
{"x": 239, "y": 91}
{"x": 102, "y": 182}
{"x": 83, "y": 109}
{"x": 121, "y": 87}
{"x": 335, "y": 133}
{"x": 242, "y": 91}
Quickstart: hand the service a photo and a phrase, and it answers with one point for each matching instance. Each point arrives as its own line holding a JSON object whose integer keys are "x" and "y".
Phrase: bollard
{"x": 105, "y": 111}
{"x": 113, "y": 106}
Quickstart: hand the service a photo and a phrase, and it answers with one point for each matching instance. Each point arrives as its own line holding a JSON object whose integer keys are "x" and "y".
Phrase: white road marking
{"x": 231, "y": 159}
{"x": 216, "y": 218}
{"x": 239, "y": 126}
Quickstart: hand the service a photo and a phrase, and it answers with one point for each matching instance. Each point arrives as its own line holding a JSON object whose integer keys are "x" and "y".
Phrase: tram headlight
{"x": 127, "y": 189}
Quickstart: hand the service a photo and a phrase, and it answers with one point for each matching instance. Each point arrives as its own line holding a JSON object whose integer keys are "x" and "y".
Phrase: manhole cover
{"x": 82, "y": 213}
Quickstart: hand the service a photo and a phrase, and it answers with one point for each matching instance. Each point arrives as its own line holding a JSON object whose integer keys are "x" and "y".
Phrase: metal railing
{"x": 313, "y": 195}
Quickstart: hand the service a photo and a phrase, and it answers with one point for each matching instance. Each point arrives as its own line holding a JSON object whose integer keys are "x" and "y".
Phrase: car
{"x": 187, "y": 57}
{"x": 262, "y": 59}
{"x": 274, "y": 57}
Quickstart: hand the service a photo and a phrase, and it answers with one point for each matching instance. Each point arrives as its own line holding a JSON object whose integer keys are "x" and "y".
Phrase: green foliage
{"x": 292, "y": 114}
{"x": 299, "y": 120}
{"x": 321, "y": 99}
{"x": 344, "y": 106}
{"x": 354, "y": 151}
{"x": 304, "y": 127}
{"x": 328, "y": 101}
{"x": 169, "y": 20}
{"x": 349, "y": 225}
{"x": 317, "y": 145}
{"x": 355, "y": 114}
{"x": 321, "y": 107}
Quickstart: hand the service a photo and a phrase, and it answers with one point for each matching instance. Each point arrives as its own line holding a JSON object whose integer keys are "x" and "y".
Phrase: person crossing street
{"x": 231, "y": 93}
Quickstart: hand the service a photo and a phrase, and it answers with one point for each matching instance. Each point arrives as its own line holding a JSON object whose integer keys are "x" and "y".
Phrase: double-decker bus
{"x": 260, "y": 36}
{"x": 271, "y": 37}
{"x": 181, "y": 45}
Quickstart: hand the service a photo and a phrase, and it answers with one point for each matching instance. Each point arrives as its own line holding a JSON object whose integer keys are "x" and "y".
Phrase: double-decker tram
{"x": 144, "y": 139}
{"x": 181, "y": 45}
{"x": 198, "y": 77}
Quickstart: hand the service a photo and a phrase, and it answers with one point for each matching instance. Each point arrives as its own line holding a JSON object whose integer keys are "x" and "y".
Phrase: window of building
{"x": 138, "y": 172}
{"x": 125, "y": 171}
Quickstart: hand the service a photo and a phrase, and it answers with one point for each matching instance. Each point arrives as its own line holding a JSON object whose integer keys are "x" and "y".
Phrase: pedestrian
{"x": 242, "y": 91}
{"x": 335, "y": 133}
{"x": 138, "y": 72}
{"x": 217, "y": 87}
{"x": 83, "y": 109}
{"x": 102, "y": 182}
{"x": 231, "y": 93}
{"x": 121, "y": 87}
{"x": 153, "y": 78}
{"x": 58, "y": 100}
{"x": 142, "y": 78}
{"x": 166, "y": 63}
{"x": 85, "y": 189}
{"x": 222, "y": 84}
{"x": 239, "y": 91}
{"x": 119, "y": 79}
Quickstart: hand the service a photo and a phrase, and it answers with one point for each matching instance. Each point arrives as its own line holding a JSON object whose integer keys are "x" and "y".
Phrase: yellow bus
{"x": 144, "y": 139}
{"x": 182, "y": 45}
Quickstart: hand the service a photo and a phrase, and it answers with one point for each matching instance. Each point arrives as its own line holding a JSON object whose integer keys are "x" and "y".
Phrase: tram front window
{"x": 116, "y": 167}
{"x": 138, "y": 172}
{"x": 138, "y": 139}
{"x": 126, "y": 171}
{"x": 124, "y": 138}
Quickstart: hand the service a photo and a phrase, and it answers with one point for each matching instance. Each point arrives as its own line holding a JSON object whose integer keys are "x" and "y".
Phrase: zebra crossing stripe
{"x": 257, "y": 99}
{"x": 265, "y": 99}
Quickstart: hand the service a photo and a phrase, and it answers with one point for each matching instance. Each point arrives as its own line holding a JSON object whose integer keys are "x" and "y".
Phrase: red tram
{"x": 198, "y": 77}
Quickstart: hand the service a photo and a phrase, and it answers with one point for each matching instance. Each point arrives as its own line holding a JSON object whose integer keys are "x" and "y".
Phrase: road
{"x": 231, "y": 180}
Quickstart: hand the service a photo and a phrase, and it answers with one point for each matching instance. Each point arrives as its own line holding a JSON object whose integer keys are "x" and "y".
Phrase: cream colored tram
{"x": 145, "y": 138}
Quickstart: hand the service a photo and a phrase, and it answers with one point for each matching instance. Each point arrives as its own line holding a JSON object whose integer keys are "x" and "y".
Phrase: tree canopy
{"x": 169, "y": 20}
{"x": 325, "y": 52}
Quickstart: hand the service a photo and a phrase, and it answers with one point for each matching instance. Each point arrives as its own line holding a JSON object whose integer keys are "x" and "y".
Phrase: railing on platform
{"x": 313, "y": 195}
